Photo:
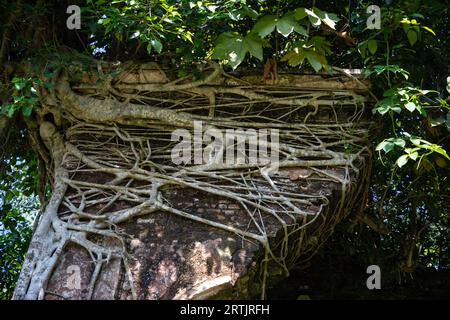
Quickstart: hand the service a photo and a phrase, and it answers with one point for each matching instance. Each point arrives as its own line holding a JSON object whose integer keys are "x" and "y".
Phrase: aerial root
{"x": 138, "y": 169}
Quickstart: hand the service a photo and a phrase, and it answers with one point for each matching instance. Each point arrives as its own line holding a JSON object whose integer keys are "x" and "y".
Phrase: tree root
{"x": 96, "y": 139}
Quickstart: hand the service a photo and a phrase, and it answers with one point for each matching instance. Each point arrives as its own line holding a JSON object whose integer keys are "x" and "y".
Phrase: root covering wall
{"x": 126, "y": 221}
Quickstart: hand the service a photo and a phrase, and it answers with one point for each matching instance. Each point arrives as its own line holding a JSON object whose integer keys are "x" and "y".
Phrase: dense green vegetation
{"x": 407, "y": 61}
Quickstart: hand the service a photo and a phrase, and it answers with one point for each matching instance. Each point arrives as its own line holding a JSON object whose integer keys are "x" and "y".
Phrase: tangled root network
{"x": 109, "y": 154}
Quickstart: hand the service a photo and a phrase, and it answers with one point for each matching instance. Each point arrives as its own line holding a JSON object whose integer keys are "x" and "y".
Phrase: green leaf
{"x": 313, "y": 18}
{"x": 386, "y": 105}
{"x": 236, "y": 56}
{"x": 253, "y": 44}
{"x": 10, "y": 110}
{"x": 238, "y": 14}
{"x": 399, "y": 142}
{"x": 115, "y": 73}
{"x": 182, "y": 73}
{"x": 19, "y": 83}
{"x": 373, "y": 46}
{"x": 327, "y": 18}
{"x": 412, "y": 36}
{"x": 411, "y": 106}
{"x": 300, "y": 30}
{"x": 418, "y": 142}
{"x": 157, "y": 45}
{"x": 437, "y": 121}
{"x": 389, "y": 93}
{"x": 297, "y": 56}
{"x": 27, "y": 110}
{"x": 149, "y": 48}
{"x": 389, "y": 144}
{"x": 314, "y": 62}
{"x": 429, "y": 30}
{"x": 265, "y": 25}
{"x": 286, "y": 25}
{"x": 294, "y": 58}
{"x": 320, "y": 45}
{"x": 417, "y": 15}
{"x": 18, "y": 99}
{"x": 300, "y": 13}
{"x": 413, "y": 155}
{"x": 401, "y": 161}
{"x": 225, "y": 44}
{"x": 438, "y": 149}
{"x": 423, "y": 144}
{"x": 362, "y": 47}
{"x": 48, "y": 85}
{"x": 250, "y": 12}
{"x": 233, "y": 47}
{"x": 386, "y": 146}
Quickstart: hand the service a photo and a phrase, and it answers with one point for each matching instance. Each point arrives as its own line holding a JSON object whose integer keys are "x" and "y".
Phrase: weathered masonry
{"x": 126, "y": 222}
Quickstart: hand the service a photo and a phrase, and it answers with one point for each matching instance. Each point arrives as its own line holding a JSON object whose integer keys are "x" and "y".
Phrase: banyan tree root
{"x": 111, "y": 148}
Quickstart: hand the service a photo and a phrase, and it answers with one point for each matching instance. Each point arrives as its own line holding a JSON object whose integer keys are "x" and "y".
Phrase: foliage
{"x": 24, "y": 97}
{"x": 408, "y": 63}
{"x": 18, "y": 208}
{"x": 291, "y": 25}
{"x": 225, "y": 30}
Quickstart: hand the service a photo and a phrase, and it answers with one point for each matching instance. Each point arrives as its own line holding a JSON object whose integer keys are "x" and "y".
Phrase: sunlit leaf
{"x": 402, "y": 160}
{"x": 429, "y": 30}
{"x": 265, "y": 25}
{"x": 233, "y": 47}
{"x": 410, "y": 106}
